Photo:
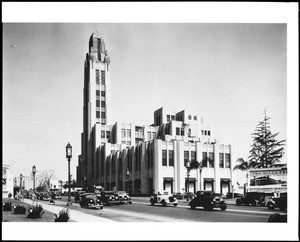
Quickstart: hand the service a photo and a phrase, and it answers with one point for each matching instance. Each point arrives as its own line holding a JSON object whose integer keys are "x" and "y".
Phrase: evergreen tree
{"x": 266, "y": 149}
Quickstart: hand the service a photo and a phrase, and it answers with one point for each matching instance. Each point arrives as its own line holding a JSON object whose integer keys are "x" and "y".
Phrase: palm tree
{"x": 244, "y": 166}
{"x": 198, "y": 165}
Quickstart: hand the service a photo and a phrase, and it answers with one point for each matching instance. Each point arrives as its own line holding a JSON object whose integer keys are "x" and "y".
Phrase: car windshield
{"x": 91, "y": 196}
{"x": 122, "y": 193}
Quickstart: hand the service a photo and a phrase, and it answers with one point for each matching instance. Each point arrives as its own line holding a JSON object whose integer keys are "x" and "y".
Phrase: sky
{"x": 227, "y": 61}
{"x": 229, "y": 73}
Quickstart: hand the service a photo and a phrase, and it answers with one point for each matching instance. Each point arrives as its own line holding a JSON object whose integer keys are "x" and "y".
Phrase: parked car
{"x": 78, "y": 195}
{"x": 229, "y": 195}
{"x": 164, "y": 198}
{"x": 251, "y": 198}
{"x": 124, "y": 197}
{"x": 278, "y": 202}
{"x": 178, "y": 195}
{"x": 208, "y": 200}
{"x": 110, "y": 197}
{"x": 45, "y": 196}
{"x": 91, "y": 200}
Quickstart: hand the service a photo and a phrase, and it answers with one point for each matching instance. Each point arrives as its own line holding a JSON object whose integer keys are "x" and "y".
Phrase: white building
{"x": 145, "y": 158}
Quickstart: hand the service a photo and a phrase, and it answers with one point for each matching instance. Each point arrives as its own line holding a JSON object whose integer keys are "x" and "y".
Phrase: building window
{"x": 97, "y": 103}
{"x": 195, "y": 117}
{"x": 205, "y": 132}
{"x": 182, "y": 131}
{"x": 149, "y": 135}
{"x": 123, "y": 133}
{"x": 103, "y": 121}
{"x": 193, "y": 156}
{"x": 227, "y": 160}
{"x": 164, "y": 157}
{"x": 97, "y": 77}
{"x": 211, "y": 159}
{"x": 102, "y": 93}
{"x": 98, "y": 93}
{"x": 103, "y": 104}
{"x": 102, "y": 134}
{"x": 204, "y": 159}
{"x": 208, "y": 132}
{"x": 221, "y": 160}
{"x": 190, "y": 117}
{"x": 177, "y": 131}
{"x": 103, "y": 77}
{"x": 103, "y": 115}
{"x": 171, "y": 158}
{"x": 128, "y": 133}
{"x": 97, "y": 114}
{"x": 186, "y": 157}
{"x": 202, "y": 132}
{"x": 108, "y": 134}
{"x": 168, "y": 118}
{"x": 190, "y": 133}
{"x": 128, "y": 143}
{"x": 172, "y": 117}
{"x": 123, "y": 142}
{"x": 153, "y": 135}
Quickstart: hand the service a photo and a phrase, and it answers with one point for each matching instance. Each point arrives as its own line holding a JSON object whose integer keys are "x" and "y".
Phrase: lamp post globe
{"x": 69, "y": 156}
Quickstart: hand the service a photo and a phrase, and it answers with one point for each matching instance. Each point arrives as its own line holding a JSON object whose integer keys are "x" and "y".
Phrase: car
{"x": 178, "y": 195}
{"x": 278, "y": 202}
{"x": 229, "y": 195}
{"x": 78, "y": 196}
{"x": 124, "y": 197}
{"x": 44, "y": 196}
{"x": 251, "y": 198}
{"x": 110, "y": 197}
{"x": 91, "y": 200}
{"x": 164, "y": 198}
{"x": 208, "y": 200}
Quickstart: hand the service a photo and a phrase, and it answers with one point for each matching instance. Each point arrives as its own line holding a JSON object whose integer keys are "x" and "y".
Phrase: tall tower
{"x": 96, "y": 102}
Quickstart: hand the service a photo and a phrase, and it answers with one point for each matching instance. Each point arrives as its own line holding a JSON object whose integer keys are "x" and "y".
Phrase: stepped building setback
{"x": 139, "y": 158}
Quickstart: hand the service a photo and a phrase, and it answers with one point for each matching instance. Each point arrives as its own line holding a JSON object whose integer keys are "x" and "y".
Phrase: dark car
{"x": 278, "y": 202}
{"x": 124, "y": 197}
{"x": 251, "y": 198}
{"x": 90, "y": 200}
{"x": 208, "y": 200}
{"x": 229, "y": 195}
{"x": 110, "y": 197}
{"x": 178, "y": 195}
{"x": 78, "y": 195}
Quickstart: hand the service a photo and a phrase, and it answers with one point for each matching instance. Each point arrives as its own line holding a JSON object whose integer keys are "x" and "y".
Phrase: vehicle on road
{"x": 178, "y": 195}
{"x": 251, "y": 198}
{"x": 164, "y": 198}
{"x": 208, "y": 200}
{"x": 124, "y": 197}
{"x": 44, "y": 196}
{"x": 78, "y": 195}
{"x": 278, "y": 202}
{"x": 110, "y": 197}
{"x": 91, "y": 200}
{"x": 229, "y": 195}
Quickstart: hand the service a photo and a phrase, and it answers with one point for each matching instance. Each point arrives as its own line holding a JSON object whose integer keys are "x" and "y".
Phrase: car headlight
{"x": 91, "y": 201}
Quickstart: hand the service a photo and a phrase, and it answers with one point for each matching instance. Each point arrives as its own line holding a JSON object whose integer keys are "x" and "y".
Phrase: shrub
{"x": 19, "y": 209}
{"x": 35, "y": 211}
{"x": 9, "y": 195}
{"x": 7, "y": 206}
{"x": 63, "y": 216}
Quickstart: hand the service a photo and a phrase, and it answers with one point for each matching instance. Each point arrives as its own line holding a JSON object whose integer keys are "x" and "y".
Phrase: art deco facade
{"x": 139, "y": 158}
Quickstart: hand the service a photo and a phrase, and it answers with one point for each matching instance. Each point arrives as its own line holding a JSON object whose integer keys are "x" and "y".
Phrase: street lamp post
{"x": 127, "y": 181}
{"x": 21, "y": 177}
{"x": 69, "y": 156}
{"x": 33, "y": 174}
{"x": 188, "y": 164}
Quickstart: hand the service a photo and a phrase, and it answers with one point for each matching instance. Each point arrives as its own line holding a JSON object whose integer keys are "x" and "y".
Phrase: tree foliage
{"x": 266, "y": 150}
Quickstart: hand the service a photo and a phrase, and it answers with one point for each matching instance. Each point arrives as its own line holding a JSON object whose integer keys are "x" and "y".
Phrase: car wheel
{"x": 130, "y": 202}
{"x": 238, "y": 202}
{"x": 193, "y": 207}
{"x": 271, "y": 206}
{"x": 152, "y": 203}
{"x": 223, "y": 208}
{"x": 164, "y": 203}
{"x": 175, "y": 204}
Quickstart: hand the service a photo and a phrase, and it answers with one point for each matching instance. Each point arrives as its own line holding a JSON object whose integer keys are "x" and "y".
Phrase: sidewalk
{"x": 74, "y": 215}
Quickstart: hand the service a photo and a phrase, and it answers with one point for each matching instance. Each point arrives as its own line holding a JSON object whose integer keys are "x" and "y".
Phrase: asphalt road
{"x": 141, "y": 211}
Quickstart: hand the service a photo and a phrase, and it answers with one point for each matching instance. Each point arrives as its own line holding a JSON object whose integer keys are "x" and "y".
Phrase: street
{"x": 141, "y": 211}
